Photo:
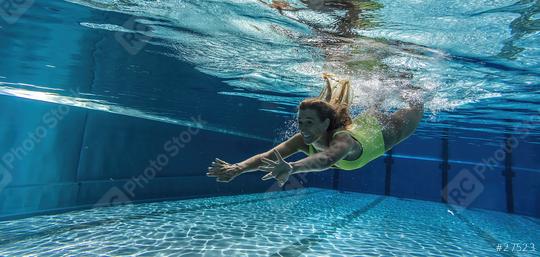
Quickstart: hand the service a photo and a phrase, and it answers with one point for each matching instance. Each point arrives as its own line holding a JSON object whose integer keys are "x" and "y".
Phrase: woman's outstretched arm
{"x": 339, "y": 148}
{"x": 226, "y": 172}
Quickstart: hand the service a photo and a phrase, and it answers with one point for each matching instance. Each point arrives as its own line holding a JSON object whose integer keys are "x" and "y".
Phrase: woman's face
{"x": 311, "y": 127}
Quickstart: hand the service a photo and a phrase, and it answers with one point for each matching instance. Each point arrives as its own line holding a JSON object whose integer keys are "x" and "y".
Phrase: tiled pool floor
{"x": 303, "y": 222}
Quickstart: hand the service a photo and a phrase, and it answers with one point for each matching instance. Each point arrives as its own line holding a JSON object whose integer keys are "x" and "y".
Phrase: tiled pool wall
{"x": 456, "y": 169}
{"x": 93, "y": 157}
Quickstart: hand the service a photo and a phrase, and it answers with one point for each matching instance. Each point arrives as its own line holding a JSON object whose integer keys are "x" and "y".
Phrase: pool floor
{"x": 303, "y": 222}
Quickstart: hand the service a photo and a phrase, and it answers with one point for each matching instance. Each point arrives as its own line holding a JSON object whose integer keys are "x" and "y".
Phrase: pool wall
{"x": 95, "y": 158}
{"x": 474, "y": 174}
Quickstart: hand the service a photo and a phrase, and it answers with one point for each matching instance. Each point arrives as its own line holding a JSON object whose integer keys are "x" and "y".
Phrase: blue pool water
{"x": 477, "y": 60}
{"x": 92, "y": 93}
{"x": 304, "y": 222}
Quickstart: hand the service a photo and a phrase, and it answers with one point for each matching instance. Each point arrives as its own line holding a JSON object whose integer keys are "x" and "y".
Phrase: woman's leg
{"x": 336, "y": 92}
{"x": 398, "y": 126}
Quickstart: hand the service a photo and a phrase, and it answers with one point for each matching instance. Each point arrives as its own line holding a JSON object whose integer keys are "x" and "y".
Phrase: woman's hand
{"x": 280, "y": 169}
{"x": 223, "y": 170}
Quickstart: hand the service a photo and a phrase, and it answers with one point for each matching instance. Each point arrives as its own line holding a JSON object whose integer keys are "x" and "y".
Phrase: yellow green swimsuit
{"x": 368, "y": 132}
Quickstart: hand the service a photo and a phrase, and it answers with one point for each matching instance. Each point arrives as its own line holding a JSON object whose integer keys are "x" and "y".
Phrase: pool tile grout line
{"x": 388, "y": 161}
{"x": 534, "y": 220}
{"x": 51, "y": 231}
{"x": 480, "y": 233}
{"x": 303, "y": 245}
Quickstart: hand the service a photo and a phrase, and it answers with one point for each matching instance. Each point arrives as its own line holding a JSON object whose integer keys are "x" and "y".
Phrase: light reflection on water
{"x": 475, "y": 62}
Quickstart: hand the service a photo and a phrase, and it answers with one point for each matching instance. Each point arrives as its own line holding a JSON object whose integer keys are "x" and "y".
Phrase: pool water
{"x": 478, "y": 61}
{"x": 302, "y": 222}
{"x": 242, "y": 67}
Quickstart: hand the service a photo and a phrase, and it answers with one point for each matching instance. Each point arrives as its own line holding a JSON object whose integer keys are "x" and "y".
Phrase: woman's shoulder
{"x": 341, "y": 131}
{"x": 344, "y": 134}
{"x": 298, "y": 141}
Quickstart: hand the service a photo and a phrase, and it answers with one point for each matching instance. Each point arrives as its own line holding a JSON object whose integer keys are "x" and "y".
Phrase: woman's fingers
{"x": 214, "y": 169}
{"x": 267, "y": 176}
{"x": 219, "y": 164}
{"x": 267, "y": 168}
{"x": 268, "y": 161}
{"x": 212, "y": 174}
{"x": 278, "y": 156}
{"x": 217, "y": 169}
{"x": 221, "y": 161}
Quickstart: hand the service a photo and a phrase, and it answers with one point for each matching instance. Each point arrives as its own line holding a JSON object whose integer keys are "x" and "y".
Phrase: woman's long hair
{"x": 333, "y": 103}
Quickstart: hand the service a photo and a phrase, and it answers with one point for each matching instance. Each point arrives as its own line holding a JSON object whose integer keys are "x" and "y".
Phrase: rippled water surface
{"x": 303, "y": 222}
{"x": 476, "y": 62}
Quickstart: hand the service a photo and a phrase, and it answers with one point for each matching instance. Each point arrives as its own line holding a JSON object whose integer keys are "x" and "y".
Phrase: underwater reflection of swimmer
{"x": 329, "y": 136}
{"x": 344, "y": 25}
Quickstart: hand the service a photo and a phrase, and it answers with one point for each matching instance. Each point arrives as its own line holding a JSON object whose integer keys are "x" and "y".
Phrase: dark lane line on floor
{"x": 304, "y": 244}
{"x": 480, "y": 233}
{"x": 59, "y": 230}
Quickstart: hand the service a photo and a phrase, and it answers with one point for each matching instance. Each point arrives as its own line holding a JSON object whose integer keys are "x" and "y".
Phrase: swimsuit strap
{"x": 367, "y": 132}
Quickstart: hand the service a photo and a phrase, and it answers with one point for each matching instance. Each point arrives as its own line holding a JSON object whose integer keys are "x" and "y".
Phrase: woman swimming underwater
{"x": 329, "y": 137}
